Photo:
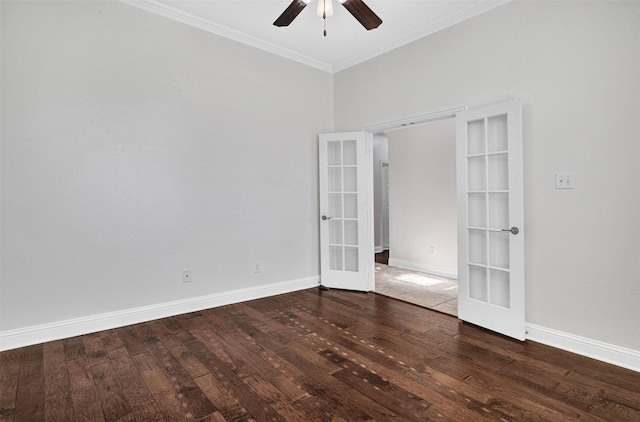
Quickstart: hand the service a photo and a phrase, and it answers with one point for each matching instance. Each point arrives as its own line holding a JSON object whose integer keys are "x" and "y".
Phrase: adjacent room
{"x": 415, "y": 226}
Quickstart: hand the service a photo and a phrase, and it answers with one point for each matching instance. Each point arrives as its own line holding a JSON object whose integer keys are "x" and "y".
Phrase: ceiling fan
{"x": 357, "y": 8}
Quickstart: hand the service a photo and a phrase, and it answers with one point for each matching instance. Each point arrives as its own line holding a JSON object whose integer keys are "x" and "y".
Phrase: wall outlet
{"x": 257, "y": 267}
{"x": 432, "y": 250}
{"x": 186, "y": 276}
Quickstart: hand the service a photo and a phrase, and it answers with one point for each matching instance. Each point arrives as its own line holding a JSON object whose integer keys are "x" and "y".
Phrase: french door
{"x": 490, "y": 218}
{"x": 346, "y": 226}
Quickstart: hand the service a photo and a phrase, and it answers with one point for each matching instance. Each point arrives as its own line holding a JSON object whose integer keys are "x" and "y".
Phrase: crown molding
{"x": 230, "y": 33}
{"x": 421, "y": 33}
{"x": 224, "y": 31}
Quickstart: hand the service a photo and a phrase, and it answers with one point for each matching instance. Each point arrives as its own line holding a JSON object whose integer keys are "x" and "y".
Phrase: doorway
{"x": 489, "y": 213}
{"x": 416, "y": 242}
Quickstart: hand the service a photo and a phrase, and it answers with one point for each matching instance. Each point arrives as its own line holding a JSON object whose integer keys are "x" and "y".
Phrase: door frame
{"x": 384, "y": 201}
{"x": 402, "y": 124}
{"x": 437, "y": 115}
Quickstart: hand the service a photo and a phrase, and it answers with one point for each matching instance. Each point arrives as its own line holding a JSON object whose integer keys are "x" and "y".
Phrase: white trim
{"x": 415, "y": 120}
{"x": 483, "y": 7}
{"x": 384, "y": 200}
{"x": 224, "y": 31}
{"x": 27, "y": 336}
{"x": 371, "y": 236}
{"x": 605, "y": 352}
{"x": 424, "y": 268}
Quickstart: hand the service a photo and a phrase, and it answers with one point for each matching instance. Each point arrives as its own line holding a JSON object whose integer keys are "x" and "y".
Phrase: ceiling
{"x": 347, "y": 42}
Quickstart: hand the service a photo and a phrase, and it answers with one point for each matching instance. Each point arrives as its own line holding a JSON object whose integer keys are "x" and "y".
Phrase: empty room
{"x": 186, "y": 210}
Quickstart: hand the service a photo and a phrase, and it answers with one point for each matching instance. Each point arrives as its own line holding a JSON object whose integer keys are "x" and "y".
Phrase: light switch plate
{"x": 565, "y": 180}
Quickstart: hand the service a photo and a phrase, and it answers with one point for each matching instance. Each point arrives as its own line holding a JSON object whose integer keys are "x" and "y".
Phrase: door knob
{"x": 513, "y": 230}
{"x": 324, "y": 217}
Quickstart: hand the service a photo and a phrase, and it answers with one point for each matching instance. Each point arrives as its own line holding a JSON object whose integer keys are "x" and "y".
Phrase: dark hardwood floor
{"x": 382, "y": 257}
{"x": 310, "y": 356}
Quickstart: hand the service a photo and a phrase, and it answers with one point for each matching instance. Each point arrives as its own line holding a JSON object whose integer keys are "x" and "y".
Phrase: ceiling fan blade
{"x": 290, "y": 13}
{"x": 363, "y": 14}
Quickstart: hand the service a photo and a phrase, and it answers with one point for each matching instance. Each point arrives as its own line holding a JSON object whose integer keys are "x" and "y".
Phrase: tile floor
{"x": 423, "y": 289}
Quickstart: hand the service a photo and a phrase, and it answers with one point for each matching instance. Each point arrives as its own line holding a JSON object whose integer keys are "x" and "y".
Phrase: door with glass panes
{"x": 345, "y": 192}
{"x": 490, "y": 218}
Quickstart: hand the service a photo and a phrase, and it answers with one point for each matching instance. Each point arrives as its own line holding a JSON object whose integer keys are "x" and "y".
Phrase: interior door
{"x": 346, "y": 223}
{"x": 490, "y": 218}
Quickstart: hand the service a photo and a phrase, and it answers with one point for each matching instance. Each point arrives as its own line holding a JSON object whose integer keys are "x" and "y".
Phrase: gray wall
{"x": 576, "y": 67}
{"x": 422, "y": 190}
{"x": 134, "y": 147}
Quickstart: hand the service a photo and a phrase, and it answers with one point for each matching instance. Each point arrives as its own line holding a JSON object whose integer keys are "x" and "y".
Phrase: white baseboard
{"x": 425, "y": 268}
{"x": 616, "y": 355}
{"x": 27, "y": 336}
{"x": 12, "y": 339}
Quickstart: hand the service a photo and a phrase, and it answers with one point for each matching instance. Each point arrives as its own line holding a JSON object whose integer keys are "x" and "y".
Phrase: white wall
{"x": 576, "y": 66}
{"x": 380, "y": 153}
{"x": 134, "y": 147}
{"x": 422, "y": 190}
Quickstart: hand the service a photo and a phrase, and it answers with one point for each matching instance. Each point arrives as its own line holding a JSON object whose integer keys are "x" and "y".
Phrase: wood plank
{"x": 510, "y": 387}
{"x": 262, "y": 362}
{"x": 30, "y": 392}
{"x": 434, "y": 393}
{"x": 188, "y": 391}
{"x": 331, "y": 392}
{"x": 94, "y": 349}
{"x": 269, "y": 368}
{"x": 215, "y": 417}
{"x": 57, "y": 388}
{"x": 169, "y": 338}
{"x": 131, "y": 341}
{"x": 74, "y": 348}
{"x": 270, "y": 335}
{"x": 142, "y": 403}
{"x": 111, "y": 340}
{"x": 603, "y": 401}
{"x": 462, "y": 395}
{"x": 9, "y": 372}
{"x": 372, "y": 385}
{"x": 256, "y": 406}
{"x": 86, "y": 404}
{"x": 112, "y": 397}
{"x": 228, "y": 406}
{"x": 171, "y": 406}
{"x": 282, "y": 404}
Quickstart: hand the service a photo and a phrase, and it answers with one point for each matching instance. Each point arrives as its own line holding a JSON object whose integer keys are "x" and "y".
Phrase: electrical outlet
{"x": 186, "y": 276}
{"x": 432, "y": 250}
{"x": 257, "y": 267}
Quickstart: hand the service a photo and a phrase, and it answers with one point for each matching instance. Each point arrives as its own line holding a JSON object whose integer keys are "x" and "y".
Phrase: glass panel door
{"x": 344, "y": 201}
{"x": 490, "y": 267}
